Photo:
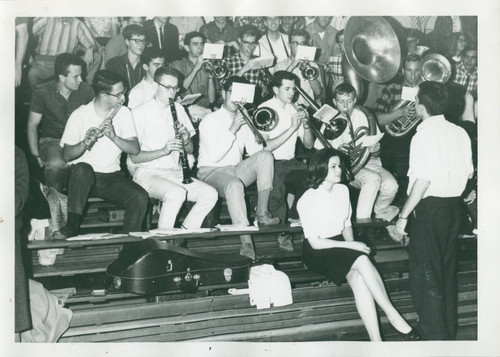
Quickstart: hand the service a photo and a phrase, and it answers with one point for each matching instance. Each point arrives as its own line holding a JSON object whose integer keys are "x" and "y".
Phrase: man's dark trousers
{"x": 433, "y": 266}
{"x": 113, "y": 187}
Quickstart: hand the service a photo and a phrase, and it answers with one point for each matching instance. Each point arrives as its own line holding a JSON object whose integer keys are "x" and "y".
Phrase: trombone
{"x": 263, "y": 118}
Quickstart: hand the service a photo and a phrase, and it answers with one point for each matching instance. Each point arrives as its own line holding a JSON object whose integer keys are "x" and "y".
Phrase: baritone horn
{"x": 433, "y": 67}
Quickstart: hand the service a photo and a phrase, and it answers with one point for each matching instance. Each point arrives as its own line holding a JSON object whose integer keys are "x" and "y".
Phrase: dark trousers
{"x": 433, "y": 266}
{"x": 277, "y": 200}
{"x": 113, "y": 187}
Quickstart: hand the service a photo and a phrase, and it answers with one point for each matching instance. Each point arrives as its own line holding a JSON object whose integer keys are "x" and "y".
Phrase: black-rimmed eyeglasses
{"x": 175, "y": 89}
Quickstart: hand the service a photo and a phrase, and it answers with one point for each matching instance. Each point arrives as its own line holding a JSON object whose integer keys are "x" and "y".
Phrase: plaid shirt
{"x": 235, "y": 63}
{"x": 466, "y": 79}
{"x": 390, "y": 95}
{"x": 335, "y": 67}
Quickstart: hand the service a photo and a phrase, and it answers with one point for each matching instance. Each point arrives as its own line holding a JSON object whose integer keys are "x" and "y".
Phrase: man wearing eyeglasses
{"x": 243, "y": 64}
{"x": 312, "y": 87}
{"x": 129, "y": 65}
{"x": 151, "y": 59}
{"x": 92, "y": 143}
{"x": 156, "y": 167}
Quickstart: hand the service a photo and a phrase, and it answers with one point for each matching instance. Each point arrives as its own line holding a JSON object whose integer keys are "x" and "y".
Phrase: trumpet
{"x": 183, "y": 159}
{"x": 263, "y": 118}
{"x": 215, "y": 68}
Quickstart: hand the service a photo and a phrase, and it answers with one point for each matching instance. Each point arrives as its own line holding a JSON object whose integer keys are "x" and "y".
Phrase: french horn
{"x": 433, "y": 67}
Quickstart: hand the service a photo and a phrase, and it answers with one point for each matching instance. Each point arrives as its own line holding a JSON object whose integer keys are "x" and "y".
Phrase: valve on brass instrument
{"x": 188, "y": 276}
{"x": 117, "y": 282}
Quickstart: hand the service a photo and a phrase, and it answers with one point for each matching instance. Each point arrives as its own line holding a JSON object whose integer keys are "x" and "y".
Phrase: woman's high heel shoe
{"x": 413, "y": 335}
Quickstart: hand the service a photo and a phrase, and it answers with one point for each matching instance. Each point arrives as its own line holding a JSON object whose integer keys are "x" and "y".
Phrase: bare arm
{"x": 72, "y": 152}
{"x": 415, "y": 196}
{"x": 21, "y": 45}
{"x": 320, "y": 243}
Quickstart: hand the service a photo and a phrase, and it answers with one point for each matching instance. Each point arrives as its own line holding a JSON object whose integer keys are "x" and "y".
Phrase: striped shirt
{"x": 57, "y": 36}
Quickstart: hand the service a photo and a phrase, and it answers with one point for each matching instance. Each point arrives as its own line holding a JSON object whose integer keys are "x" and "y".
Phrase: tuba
{"x": 433, "y": 67}
{"x": 372, "y": 53}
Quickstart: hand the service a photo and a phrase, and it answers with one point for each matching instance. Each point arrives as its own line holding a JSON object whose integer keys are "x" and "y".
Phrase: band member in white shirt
{"x": 440, "y": 165}
{"x": 224, "y": 136}
{"x": 157, "y": 167}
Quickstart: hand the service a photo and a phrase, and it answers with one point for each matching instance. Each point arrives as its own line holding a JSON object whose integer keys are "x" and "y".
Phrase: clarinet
{"x": 95, "y": 133}
{"x": 183, "y": 160}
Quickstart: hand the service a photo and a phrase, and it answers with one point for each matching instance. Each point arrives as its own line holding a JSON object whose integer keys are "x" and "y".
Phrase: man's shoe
{"x": 267, "y": 220}
{"x": 63, "y": 233}
{"x": 247, "y": 251}
{"x": 285, "y": 242}
{"x": 388, "y": 214}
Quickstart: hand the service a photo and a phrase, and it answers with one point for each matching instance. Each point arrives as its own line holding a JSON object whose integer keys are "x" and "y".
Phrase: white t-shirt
{"x": 325, "y": 214}
{"x": 287, "y": 150}
{"x": 155, "y": 126}
{"x": 218, "y": 146}
{"x": 141, "y": 93}
{"x": 104, "y": 156}
{"x": 441, "y": 153}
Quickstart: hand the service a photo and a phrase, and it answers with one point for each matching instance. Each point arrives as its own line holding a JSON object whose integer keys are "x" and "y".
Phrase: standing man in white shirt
{"x": 156, "y": 167}
{"x": 152, "y": 58}
{"x": 92, "y": 143}
{"x": 224, "y": 136}
{"x": 440, "y": 165}
{"x": 281, "y": 141}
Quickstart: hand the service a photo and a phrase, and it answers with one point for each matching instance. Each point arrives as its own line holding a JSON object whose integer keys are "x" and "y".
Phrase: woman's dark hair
{"x": 318, "y": 167}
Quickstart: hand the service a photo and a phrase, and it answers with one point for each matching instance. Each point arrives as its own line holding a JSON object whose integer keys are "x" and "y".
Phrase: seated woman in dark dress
{"x": 330, "y": 249}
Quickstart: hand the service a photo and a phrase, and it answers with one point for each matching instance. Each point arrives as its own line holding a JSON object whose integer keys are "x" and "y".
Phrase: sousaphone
{"x": 373, "y": 54}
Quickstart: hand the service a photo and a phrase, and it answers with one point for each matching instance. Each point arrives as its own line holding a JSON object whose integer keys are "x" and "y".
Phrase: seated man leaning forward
{"x": 223, "y": 139}
{"x": 95, "y": 136}
{"x": 157, "y": 167}
{"x": 378, "y": 186}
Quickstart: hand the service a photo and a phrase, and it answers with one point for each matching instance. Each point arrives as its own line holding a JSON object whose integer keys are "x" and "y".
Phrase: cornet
{"x": 308, "y": 72}
{"x": 215, "y": 68}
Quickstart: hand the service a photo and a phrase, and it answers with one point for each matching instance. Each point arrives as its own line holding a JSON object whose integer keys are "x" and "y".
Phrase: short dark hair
{"x": 168, "y": 71}
{"x": 414, "y": 33}
{"x": 472, "y": 46}
{"x": 279, "y": 76}
{"x": 104, "y": 81}
{"x": 412, "y": 58}
{"x": 250, "y": 30}
{"x": 299, "y": 32}
{"x": 317, "y": 170}
{"x": 131, "y": 30}
{"x": 193, "y": 34}
{"x": 433, "y": 96}
{"x": 64, "y": 60}
{"x": 150, "y": 53}
{"x": 228, "y": 83}
{"x": 338, "y": 34}
{"x": 344, "y": 88}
